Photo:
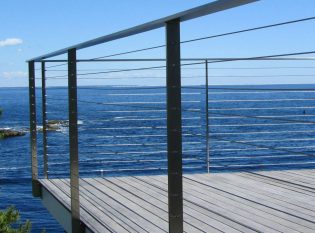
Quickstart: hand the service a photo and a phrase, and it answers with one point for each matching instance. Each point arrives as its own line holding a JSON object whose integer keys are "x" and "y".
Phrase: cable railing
{"x": 110, "y": 117}
{"x": 116, "y": 113}
{"x": 122, "y": 128}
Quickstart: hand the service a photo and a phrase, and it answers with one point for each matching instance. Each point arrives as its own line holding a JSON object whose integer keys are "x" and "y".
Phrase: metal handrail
{"x": 206, "y": 9}
{"x": 174, "y": 124}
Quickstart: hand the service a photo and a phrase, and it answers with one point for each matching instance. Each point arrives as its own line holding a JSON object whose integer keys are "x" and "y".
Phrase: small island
{"x": 55, "y": 125}
{"x": 7, "y": 133}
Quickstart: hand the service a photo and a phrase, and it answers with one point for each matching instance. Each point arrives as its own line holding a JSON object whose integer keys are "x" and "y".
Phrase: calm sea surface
{"x": 122, "y": 132}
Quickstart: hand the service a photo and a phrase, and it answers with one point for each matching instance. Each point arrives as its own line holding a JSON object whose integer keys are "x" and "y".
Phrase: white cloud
{"x": 14, "y": 74}
{"x": 10, "y": 42}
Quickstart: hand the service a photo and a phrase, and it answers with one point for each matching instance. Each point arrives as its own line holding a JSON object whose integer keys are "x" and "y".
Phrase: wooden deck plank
{"x": 226, "y": 210}
{"x": 294, "y": 198}
{"x": 149, "y": 208}
{"x": 239, "y": 208}
{"x": 287, "y": 176}
{"x": 88, "y": 219}
{"x": 302, "y": 174}
{"x": 267, "y": 215}
{"x": 259, "y": 191}
{"x": 278, "y": 192}
{"x": 190, "y": 218}
{"x": 108, "y": 210}
{"x": 279, "y": 183}
{"x": 253, "y": 196}
{"x": 275, "y": 201}
{"x": 117, "y": 209}
{"x": 285, "y": 179}
{"x": 217, "y": 220}
{"x": 150, "y": 221}
{"x": 101, "y": 224}
{"x": 308, "y": 171}
{"x": 275, "y": 192}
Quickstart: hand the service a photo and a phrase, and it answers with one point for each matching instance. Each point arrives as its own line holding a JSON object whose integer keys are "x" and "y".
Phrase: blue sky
{"x": 35, "y": 27}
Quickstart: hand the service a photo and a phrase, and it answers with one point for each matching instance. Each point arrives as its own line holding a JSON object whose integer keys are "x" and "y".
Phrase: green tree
{"x": 10, "y": 222}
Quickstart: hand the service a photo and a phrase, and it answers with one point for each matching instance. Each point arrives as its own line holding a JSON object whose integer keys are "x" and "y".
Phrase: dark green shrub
{"x": 10, "y": 222}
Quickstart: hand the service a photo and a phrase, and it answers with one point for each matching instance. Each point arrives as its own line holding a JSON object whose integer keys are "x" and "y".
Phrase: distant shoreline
{"x": 280, "y": 86}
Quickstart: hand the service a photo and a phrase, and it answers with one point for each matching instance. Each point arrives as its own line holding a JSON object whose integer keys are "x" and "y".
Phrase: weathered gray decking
{"x": 277, "y": 201}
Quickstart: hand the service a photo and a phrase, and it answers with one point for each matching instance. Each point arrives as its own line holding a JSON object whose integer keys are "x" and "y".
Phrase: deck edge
{"x": 58, "y": 210}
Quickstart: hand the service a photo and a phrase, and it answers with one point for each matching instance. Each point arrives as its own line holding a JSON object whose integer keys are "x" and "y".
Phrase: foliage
{"x": 10, "y": 222}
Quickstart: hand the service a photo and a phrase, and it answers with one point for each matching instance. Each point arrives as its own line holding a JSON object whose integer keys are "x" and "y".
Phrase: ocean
{"x": 122, "y": 131}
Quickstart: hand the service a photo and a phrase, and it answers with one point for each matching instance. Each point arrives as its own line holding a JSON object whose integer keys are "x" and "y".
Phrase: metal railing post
{"x": 207, "y": 117}
{"x": 174, "y": 127}
{"x": 36, "y": 190}
{"x": 73, "y": 141}
{"x": 44, "y": 119}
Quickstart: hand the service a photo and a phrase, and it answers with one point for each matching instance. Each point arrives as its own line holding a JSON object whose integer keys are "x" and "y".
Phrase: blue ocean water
{"x": 15, "y": 182}
{"x": 122, "y": 131}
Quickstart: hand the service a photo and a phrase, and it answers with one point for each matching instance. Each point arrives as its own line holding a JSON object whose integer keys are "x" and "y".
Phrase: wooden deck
{"x": 277, "y": 201}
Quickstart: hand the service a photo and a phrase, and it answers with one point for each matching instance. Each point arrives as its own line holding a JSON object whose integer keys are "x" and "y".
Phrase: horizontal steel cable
{"x": 210, "y": 37}
{"x": 216, "y": 113}
{"x": 263, "y": 146}
{"x": 193, "y": 63}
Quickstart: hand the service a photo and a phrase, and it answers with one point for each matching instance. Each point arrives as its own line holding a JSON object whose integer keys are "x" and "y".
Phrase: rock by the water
{"x": 54, "y": 125}
{"x": 7, "y": 133}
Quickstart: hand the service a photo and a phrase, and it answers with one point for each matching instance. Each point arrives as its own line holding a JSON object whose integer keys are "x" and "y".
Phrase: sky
{"x": 35, "y": 27}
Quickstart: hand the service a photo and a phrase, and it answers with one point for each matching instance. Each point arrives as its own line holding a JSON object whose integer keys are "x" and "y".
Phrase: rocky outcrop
{"x": 7, "y": 133}
{"x": 53, "y": 125}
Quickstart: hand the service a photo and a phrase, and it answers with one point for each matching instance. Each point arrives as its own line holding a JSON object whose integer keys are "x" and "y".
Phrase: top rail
{"x": 193, "y": 13}
{"x": 263, "y": 58}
